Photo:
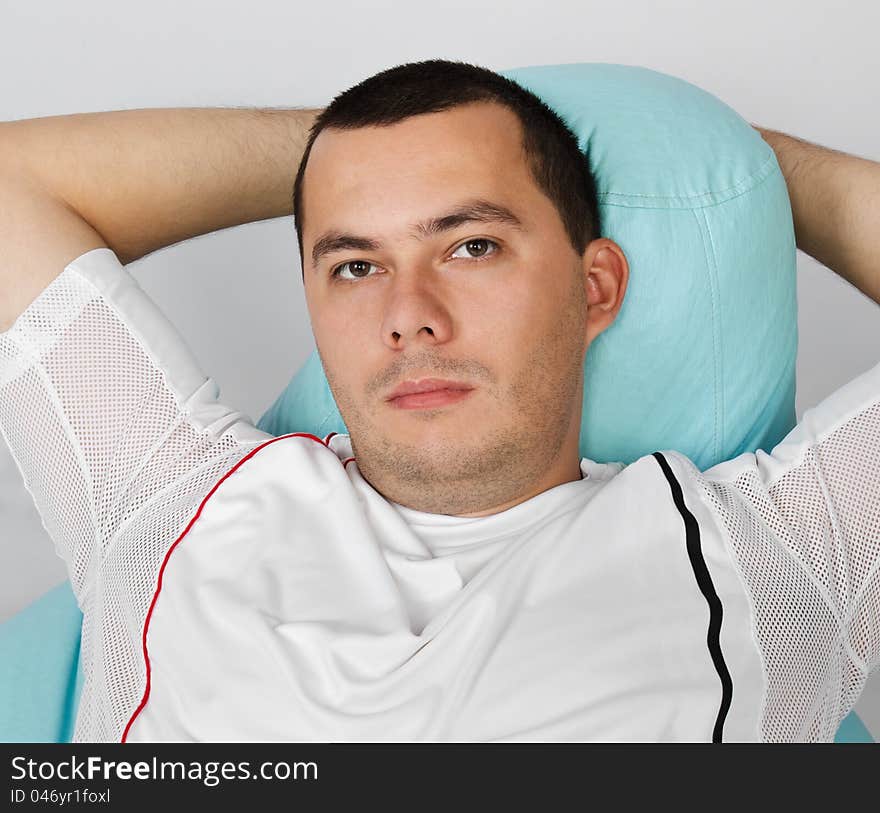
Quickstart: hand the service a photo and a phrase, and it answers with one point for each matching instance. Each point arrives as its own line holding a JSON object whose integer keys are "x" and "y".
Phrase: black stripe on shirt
{"x": 704, "y": 580}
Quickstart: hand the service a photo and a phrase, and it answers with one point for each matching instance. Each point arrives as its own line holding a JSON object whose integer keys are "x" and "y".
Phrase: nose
{"x": 415, "y": 314}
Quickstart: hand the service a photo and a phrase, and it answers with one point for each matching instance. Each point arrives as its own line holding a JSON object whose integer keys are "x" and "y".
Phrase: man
{"x": 450, "y": 570}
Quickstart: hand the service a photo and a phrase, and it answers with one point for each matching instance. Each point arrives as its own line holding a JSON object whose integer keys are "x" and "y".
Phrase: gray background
{"x": 236, "y": 295}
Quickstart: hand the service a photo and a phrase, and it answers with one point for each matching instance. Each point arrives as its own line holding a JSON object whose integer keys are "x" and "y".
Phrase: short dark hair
{"x": 559, "y": 167}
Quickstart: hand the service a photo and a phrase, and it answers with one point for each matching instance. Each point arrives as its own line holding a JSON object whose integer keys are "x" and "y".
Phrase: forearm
{"x": 145, "y": 179}
{"x": 835, "y": 201}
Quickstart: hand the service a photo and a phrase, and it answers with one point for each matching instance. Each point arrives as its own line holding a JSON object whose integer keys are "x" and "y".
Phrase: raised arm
{"x": 115, "y": 428}
{"x": 135, "y": 181}
{"x": 835, "y": 201}
{"x": 803, "y": 520}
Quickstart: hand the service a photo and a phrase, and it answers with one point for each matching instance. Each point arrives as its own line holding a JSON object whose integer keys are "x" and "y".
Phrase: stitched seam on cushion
{"x": 741, "y": 188}
{"x": 717, "y": 366}
{"x": 716, "y": 311}
{"x": 326, "y": 418}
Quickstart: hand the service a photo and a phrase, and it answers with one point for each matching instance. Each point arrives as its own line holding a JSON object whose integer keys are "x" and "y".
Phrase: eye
{"x": 335, "y": 273}
{"x": 478, "y": 241}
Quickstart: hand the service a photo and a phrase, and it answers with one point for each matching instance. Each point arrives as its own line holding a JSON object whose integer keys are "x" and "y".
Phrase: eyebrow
{"x": 477, "y": 210}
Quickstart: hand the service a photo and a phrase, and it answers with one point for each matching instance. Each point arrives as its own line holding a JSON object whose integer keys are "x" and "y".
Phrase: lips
{"x": 427, "y": 385}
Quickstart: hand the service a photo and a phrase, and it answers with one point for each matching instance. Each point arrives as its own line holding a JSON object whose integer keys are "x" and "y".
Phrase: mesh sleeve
{"x": 103, "y": 408}
{"x": 804, "y": 523}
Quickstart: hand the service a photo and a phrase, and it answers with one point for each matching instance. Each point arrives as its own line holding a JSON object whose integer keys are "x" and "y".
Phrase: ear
{"x": 606, "y": 274}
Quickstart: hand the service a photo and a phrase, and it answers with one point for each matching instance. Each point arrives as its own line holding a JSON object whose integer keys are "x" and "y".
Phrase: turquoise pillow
{"x": 701, "y": 357}
{"x": 40, "y": 674}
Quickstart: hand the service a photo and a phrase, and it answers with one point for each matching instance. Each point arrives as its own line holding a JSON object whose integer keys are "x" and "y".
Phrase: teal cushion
{"x": 701, "y": 357}
{"x": 40, "y": 676}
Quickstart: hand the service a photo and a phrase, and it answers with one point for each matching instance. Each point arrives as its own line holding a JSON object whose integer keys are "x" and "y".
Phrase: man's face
{"x": 499, "y": 307}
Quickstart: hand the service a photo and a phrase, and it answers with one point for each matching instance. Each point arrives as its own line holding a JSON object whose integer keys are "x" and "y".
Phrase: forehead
{"x": 384, "y": 175}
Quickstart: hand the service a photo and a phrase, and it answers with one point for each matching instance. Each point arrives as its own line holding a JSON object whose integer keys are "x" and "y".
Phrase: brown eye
{"x": 359, "y": 269}
{"x": 477, "y": 248}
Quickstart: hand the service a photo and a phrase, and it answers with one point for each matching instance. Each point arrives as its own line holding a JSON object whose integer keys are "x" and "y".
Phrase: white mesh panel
{"x": 129, "y": 575}
{"x": 808, "y": 546}
{"x": 116, "y": 466}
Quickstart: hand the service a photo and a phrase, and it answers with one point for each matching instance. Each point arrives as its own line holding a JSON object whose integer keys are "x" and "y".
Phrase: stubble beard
{"x": 485, "y": 463}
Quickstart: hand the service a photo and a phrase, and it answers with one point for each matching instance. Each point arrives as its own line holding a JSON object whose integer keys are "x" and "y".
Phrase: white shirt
{"x": 241, "y": 587}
